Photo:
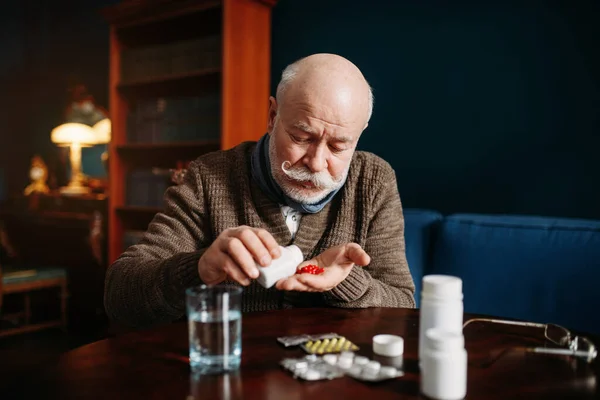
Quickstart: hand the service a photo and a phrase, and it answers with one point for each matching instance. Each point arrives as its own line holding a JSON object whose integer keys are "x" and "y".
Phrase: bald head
{"x": 330, "y": 81}
{"x": 322, "y": 107}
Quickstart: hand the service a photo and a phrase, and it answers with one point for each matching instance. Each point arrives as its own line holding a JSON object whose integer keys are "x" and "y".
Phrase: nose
{"x": 316, "y": 158}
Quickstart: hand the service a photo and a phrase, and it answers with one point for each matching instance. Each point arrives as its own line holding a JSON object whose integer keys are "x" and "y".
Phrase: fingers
{"x": 306, "y": 283}
{"x": 356, "y": 254}
{"x": 293, "y": 284}
{"x": 337, "y": 261}
{"x": 231, "y": 268}
{"x": 258, "y": 242}
{"x": 240, "y": 255}
{"x": 210, "y": 267}
{"x": 269, "y": 242}
{"x": 236, "y": 253}
{"x": 313, "y": 282}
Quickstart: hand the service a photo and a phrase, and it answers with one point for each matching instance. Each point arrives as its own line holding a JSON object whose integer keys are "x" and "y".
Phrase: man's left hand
{"x": 337, "y": 262}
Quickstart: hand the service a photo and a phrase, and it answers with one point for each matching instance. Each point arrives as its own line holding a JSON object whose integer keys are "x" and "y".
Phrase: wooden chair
{"x": 18, "y": 280}
{"x": 21, "y": 279}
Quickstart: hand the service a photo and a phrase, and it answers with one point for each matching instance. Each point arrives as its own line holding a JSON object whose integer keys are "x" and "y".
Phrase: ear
{"x": 272, "y": 114}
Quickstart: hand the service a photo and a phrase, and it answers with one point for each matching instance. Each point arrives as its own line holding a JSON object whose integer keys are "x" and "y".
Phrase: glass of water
{"x": 215, "y": 328}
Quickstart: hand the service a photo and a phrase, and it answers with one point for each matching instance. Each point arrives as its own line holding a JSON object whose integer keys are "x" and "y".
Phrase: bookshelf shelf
{"x": 187, "y": 77}
{"x": 137, "y": 14}
{"x": 177, "y": 83}
{"x": 163, "y": 155}
{"x": 208, "y": 145}
{"x": 170, "y": 78}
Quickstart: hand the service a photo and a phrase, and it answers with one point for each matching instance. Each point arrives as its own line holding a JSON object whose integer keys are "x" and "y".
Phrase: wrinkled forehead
{"x": 339, "y": 134}
{"x": 325, "y": 109}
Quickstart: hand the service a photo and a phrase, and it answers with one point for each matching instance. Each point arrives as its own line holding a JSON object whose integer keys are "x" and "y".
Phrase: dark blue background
{"x": 480, "y": 106}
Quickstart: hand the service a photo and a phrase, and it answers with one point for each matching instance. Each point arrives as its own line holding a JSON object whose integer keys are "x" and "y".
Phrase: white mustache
{"x": 321, "y": 180}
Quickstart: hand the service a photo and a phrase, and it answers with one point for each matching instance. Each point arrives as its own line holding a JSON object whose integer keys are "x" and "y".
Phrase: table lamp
{"x": 103, "y": 131}
{"x": 75, "y": 136}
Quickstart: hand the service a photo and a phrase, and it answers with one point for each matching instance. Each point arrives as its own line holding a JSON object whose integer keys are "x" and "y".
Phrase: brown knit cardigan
{"x": 146, "y": 285}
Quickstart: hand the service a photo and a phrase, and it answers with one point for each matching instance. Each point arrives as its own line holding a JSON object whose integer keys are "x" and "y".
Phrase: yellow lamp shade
{"x": 102, "y": 131}
{"x": 73, "y": 132}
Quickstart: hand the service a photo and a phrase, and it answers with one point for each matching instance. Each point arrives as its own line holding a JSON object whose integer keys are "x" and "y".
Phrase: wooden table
{"x": 153, "y": 364}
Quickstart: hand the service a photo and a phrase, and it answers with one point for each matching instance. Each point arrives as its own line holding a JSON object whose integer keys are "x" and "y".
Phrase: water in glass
{"x": 215, "y": 341}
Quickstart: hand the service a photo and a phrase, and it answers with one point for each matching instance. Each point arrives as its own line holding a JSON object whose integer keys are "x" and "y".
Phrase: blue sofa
{"x": 533, "y": 268}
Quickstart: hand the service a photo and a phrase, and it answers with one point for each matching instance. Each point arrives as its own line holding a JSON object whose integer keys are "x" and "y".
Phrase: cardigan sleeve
{"x": 146, "y": 284}
{"x": 386, "y": 281}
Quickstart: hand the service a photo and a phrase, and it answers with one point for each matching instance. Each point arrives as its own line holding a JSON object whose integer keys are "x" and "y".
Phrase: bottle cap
{"x": 442, "y": 286}
{"x": 439, "y": 339}
{"x": 388, "y": 345}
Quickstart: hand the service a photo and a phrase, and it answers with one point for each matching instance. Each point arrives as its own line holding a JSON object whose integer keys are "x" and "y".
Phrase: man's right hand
{"x": 234, "y": 254}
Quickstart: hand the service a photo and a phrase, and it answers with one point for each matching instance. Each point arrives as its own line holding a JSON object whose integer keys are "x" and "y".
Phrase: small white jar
{"x": 441, "y": 306}
{"x": 444, "y": 365}
{"x": 282, "y": 267}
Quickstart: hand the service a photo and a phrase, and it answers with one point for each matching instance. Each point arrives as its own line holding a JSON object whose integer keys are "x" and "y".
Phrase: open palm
{"x": 337, "y": 263}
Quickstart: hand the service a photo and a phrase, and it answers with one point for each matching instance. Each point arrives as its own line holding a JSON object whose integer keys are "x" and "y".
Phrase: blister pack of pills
{"x": 288, "y": 341}
{"x": 330, "y": 366}
{"x": 311, "y": 368}
{"x": 363, "y": 369}
{"x": 329, "y": 345}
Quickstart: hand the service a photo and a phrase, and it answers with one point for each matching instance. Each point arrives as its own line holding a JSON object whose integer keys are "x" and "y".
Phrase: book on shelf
{"x": 175, "y": 119}
{"x": 147, "y": 187}
{"x": 162, "y": 61}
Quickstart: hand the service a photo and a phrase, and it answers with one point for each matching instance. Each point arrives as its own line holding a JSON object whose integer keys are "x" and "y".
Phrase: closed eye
{"x": 299, "y": 140}
{"x": 336, "y": 149}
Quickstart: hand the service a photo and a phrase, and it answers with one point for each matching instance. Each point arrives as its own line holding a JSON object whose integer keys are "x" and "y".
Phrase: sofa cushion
{"x": 533, "y": 268}
{"x": 419, "y": 226}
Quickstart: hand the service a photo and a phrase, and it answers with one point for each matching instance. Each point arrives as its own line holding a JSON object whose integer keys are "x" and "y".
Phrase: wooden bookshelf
{"x": 136, "y": 218}
{"x": 179, "y": 84}
{"x": 208, "y": 145}
{"x": 163, "y": 155}
{"x": 148, "y": 41}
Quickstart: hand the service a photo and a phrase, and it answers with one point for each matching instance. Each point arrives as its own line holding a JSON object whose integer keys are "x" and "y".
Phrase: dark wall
{"x": 46, "y": 47}
{"x": 481, "y": 106}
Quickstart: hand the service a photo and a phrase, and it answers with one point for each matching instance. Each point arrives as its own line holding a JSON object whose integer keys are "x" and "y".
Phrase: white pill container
{"x": 441, "y": 306}
{"x": 282, "y": 267}
{"x": 444, "y": 365}
{"x": 388, "y": 345}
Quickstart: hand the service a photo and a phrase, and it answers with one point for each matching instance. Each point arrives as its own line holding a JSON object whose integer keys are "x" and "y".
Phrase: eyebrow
{"x": 305, "y": 128}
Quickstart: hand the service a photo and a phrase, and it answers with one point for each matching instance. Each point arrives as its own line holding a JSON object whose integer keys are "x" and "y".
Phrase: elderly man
{"x": 303, "y": 183}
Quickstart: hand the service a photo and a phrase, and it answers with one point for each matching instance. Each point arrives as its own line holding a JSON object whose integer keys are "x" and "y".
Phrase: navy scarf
{"x": 261, "y": 173}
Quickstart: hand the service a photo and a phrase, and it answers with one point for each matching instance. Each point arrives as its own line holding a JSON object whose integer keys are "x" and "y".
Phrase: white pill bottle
{"x": 444, "y": 365}
{"x": 441, "y": 306}
{"x": 282, "y": 267}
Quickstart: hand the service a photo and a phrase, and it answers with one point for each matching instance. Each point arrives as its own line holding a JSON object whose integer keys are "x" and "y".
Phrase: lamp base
{"x": 74, "y": 190}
